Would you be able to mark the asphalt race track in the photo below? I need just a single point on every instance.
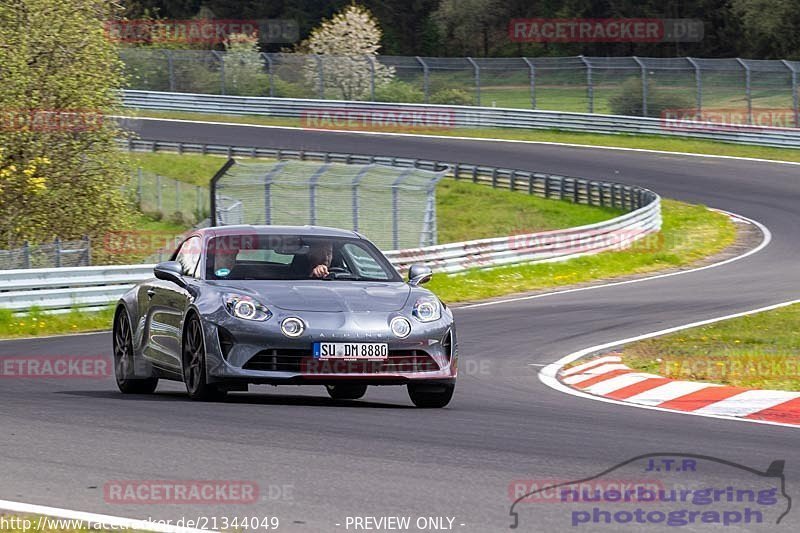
(318, 461)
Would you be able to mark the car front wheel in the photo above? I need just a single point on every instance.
(194, 365)
(431, 395)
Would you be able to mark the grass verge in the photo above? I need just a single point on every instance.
(760, 351)
(36, 323)
(690, 233)
(646, 142)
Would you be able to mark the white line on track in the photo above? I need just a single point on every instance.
(117, 522)
(463, 138)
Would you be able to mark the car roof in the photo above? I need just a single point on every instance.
(317, 231)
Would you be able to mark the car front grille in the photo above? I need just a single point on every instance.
(298, 360)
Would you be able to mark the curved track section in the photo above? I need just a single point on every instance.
(65, 439)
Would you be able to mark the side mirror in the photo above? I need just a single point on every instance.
(419, 274)
(170, 271)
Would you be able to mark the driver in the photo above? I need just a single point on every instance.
(319, 258)
(225, 262)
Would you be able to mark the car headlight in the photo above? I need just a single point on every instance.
(246, 308)
(427, 309)
(401, 327)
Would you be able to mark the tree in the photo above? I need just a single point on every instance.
(772, 27)
(349, 43)
(61, 171)
(244, 66)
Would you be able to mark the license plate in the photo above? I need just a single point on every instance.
(351, 350)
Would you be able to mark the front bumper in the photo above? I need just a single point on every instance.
(241, 351)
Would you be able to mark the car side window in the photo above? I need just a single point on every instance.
(364, 264)
(189, 256)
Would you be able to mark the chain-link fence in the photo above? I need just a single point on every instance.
(169, 199)
(51, 255)
(394, 207)
(753, 91)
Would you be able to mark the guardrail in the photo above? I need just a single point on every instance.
(327, 114)
(59, 289)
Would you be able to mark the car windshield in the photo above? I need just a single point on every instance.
(295, 257)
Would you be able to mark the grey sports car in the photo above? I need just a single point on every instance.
(284, 305)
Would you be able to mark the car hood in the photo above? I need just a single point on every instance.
(324, 296)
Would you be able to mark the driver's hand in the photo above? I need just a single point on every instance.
(320, 271)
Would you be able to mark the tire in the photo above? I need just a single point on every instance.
(194, 364)
(431, 396)
(346, 391)
(125, 360)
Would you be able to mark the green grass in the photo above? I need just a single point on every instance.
(689, 233)
(36, 323)
(466, 211)
(757, 351)
(647, 142)
(197, 170)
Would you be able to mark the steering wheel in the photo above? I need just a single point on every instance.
(332, 271)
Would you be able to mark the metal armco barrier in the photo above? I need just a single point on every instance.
(336, 114)
(56, 289)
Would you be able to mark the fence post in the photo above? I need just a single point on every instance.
(532, 76)
(312, 192)
(371, 62)
(158, 193)
(477, 70)
(356, 182)
(170, 70)
(795, 96)
(320, 78)
(57, 243)
(269, 74)
(88, 250)
(747, 92)
(198, 206)
(698, 80)
(425, 77)
(139, 180)
(644, 85)
(589, 84)
(395, 209)
(26, 255)
(221, 59)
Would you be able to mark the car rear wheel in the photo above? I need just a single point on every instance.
(431, 396)
(124, 360)
(194, 365)
(345, 391)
